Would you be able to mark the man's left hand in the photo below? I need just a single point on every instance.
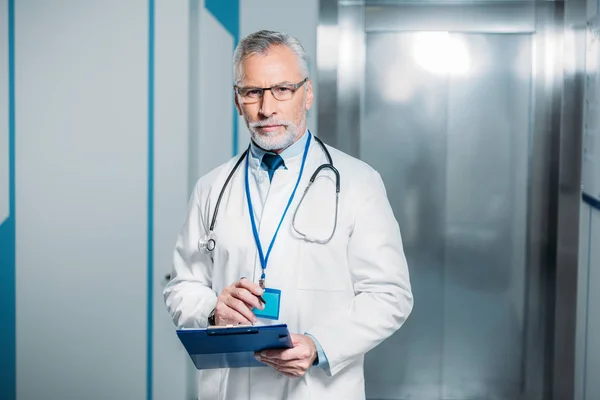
(293, 362)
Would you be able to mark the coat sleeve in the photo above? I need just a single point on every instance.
(188, 296)
(379, 272)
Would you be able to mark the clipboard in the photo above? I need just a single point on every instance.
(232, 346)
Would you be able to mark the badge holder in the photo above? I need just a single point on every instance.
(272, 304)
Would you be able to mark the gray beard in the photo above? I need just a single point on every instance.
(275, 142)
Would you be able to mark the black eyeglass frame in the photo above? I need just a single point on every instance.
(291, 86)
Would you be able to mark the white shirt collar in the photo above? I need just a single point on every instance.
(293, 150)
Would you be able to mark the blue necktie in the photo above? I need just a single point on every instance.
(272, 162)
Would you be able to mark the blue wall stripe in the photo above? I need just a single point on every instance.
(8, 381)
(227, 12)
(150, 245)
(592, 201)
(587, 306)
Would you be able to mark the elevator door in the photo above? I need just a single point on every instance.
(446, 122)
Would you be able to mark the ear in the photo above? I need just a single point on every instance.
(237, 104)
(309, 95)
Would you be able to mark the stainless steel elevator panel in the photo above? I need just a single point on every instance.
(459, 105)
(447, 123)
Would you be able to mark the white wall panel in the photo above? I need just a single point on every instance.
(294, 17)
(81, 117)
(216, 94)
(170, 185)
(4, 194)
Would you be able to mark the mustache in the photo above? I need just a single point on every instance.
(268, 122)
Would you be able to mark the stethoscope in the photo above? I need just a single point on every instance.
(209, 243)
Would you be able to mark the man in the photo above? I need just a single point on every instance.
(337, 269)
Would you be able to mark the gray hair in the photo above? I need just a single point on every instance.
(259, 43)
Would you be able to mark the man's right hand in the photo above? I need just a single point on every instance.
(235, 303)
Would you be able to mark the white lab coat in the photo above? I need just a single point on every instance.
(350, 294)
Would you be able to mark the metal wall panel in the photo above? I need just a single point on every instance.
(492, 17)
(472, 152)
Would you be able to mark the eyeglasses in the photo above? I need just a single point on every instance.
(280, 92)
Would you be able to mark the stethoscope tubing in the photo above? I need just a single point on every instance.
(210, 245)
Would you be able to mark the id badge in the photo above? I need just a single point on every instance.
(272, 299)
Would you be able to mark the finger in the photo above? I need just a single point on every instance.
(241, 308)
(250, 286)
(270, 363)
(232, 318)
(291, 372)
(274, 361)
(237, 312)
(297, 338)
(280, 366)
(300, 365)
(274, 354)
(247, 297)
(284, 355)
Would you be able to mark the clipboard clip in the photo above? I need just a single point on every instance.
(231, 330)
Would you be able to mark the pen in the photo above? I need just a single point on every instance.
(259, 297)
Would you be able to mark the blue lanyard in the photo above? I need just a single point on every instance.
(265, 258)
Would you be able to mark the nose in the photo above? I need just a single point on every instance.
(269, 104)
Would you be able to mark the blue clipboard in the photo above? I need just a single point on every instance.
(232, 347)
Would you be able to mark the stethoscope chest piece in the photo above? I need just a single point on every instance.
(207, 243)
(210, 246)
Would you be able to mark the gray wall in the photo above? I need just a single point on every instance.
(296, 17)
(588, 292)
(84, 180)
(587, 384)
(588, 313)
